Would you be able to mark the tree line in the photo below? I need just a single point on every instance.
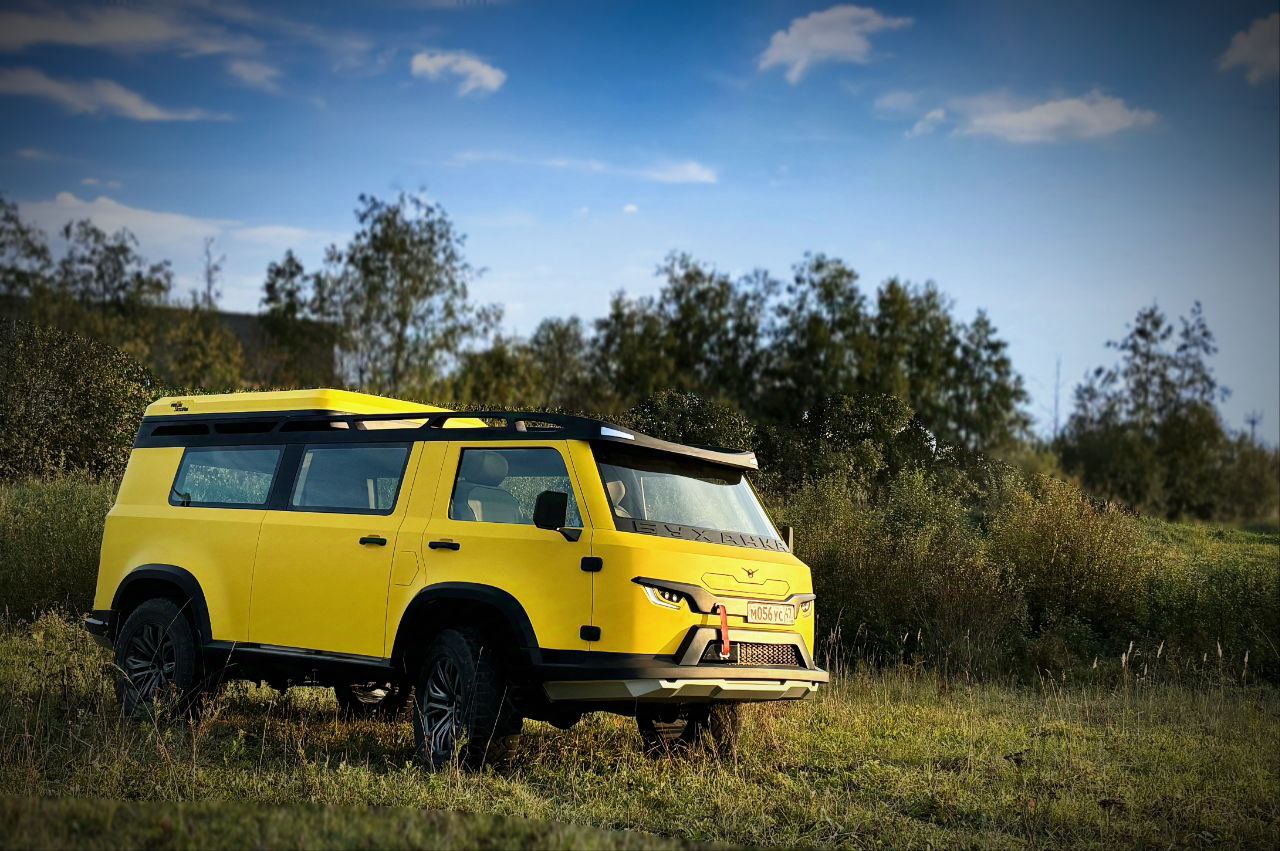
(391, 311)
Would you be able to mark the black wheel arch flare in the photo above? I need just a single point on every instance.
(136, 587)
(433, 603)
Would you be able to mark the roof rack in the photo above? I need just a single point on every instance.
(274, 427)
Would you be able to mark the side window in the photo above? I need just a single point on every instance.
(502, 485)
(349, 479)
(227, 478)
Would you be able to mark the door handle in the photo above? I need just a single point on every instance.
(376, 540)
(444, 545)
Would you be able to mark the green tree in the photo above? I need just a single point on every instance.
(300, 343)
(26, 263)
(398, 292)
(1146, 431)
(821, 340)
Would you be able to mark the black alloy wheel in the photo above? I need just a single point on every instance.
(156, 658)
(461, 712)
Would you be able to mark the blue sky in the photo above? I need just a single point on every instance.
(1059, 165)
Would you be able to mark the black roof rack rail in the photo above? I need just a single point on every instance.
(516, 425)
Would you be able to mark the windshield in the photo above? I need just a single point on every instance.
(683, 498)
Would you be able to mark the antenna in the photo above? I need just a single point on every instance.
(1252, 419)
(1057, 392)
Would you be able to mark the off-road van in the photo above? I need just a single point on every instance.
(480, 567)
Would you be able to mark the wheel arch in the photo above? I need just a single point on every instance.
(462, 604)
(167, 581)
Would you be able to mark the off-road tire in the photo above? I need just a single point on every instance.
(724, 729)
(461, 706)
(681, 730)
(667, 729)
(371, 700)
(157, 661)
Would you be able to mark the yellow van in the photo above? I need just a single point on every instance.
(481, 568)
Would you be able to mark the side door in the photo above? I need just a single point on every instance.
(481, 531)
(324, 561)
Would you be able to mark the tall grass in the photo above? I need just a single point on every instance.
(1025, 576)
(50, 535)
(898, 758)
(1032, 575)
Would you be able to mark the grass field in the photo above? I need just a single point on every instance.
(889, 759)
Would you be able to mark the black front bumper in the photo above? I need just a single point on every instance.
(687, 663)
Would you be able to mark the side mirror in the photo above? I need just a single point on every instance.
(551, 511)
(788, 534)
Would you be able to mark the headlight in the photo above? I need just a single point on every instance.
(663, 597)
(806, 608)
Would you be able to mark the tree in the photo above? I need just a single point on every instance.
(1146, 431)
(398, 294)
(300, 343)
(25, 259)
(821, 340)
(561, 351)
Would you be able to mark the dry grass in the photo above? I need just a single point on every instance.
(898, 758)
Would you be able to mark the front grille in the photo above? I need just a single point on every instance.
(753, 654)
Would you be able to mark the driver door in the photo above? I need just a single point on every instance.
(482, 532)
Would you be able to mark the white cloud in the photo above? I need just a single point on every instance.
(927, 123)
(896, 103)
(192, 28)
(36, 155)
(117, 27)
(678, 172)
(255, 74)
(1257, 50)
(93, 97)
(476, 75)
(1091, 116)
(179, 238)
(839, 34)
(630, 209)
(665, 171)
(164, 234)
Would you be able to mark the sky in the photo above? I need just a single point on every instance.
(1057, 165)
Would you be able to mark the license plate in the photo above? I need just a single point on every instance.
(779, 613)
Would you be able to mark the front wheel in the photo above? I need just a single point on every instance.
(156, 656)
(461, 708)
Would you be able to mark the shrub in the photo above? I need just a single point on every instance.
(50, 534)
(907, 578)
(690, 418)
(1079, 566)
(69, 404)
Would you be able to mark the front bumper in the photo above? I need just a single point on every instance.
(692, 673)
(98, 624)
(680, 690)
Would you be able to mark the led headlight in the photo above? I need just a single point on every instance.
(663, 597)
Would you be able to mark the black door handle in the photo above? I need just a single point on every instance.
(376, 540)
(445, 545)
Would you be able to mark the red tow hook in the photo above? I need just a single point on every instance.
(725, 647)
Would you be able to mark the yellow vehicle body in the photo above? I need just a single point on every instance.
(308, 593)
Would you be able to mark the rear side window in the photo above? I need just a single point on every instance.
(502, 485)
(349, 479)
(225, 478)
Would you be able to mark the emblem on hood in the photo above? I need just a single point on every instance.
(750, 571)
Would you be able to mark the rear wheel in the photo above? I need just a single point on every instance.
(156, 659)
(372, 699)
(461, 710)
